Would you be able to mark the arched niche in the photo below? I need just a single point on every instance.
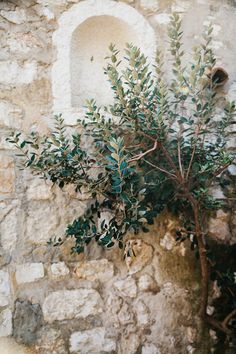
(82, 39)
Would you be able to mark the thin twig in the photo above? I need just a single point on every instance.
(160, 169)
(138, 157)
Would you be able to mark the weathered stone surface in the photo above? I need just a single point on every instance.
(4, 288)
(59, 270)
(29, 272)
(142, 313)
(51, 340)
(27, 320)
(7, 175)
(167, 242)
(125, 315)
(13, 73)
(147, 283)
(102, 270)
(219, 226)
(138, 255)
(126, 287)
(10, 115)
(131, 341)
(149, 5)
(91, 342)
(5, 323)
(9, 230)
(150, 349)
(17, 17)
(67, 304)
(162, 19)
(39, 189)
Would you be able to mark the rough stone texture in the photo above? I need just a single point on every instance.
(4, 288)
(101, 269)
(91, 342)
(68, 304)
(29, 272)
(145, 304)
(27, 320)
(5, 323)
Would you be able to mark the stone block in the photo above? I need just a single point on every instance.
(5, 323)
(15, 74)
(146, 283)
(138, 255)
(149, 5)
(17, 17)
(102, 270)
(7, 175)
(39, 189)
(91, 341)
(9, 230)
(126, 287)
(219, 226)
(4, 288)
(68, 304)
(59, 270)
(29, 272)
(10, 115)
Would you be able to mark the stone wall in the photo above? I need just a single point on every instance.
(54, 302)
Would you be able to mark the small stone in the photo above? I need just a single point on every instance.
(4, 288)
(142, 313)
(39, 189)
(29, 272)
(9, 231)
(180, 6)
(147, 283)
(91, 341)
(168, 242)
(102, 270)
(7, 175)
(150, 349)
(5, 323)
(191, 334)
(219, 226)
(10, 115)
(68, 304)
(59, 270)
(162, 19)
(27, 320)
(149, 5)
(125, 316)
(17, 17)
(126, 287)
(210, 310)
(132, 341)
(232, 170)
(138, 255)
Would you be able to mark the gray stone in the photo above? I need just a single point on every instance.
(5, 323)
(126, 287)
(29, 272)
(27, 320)
(4, 288)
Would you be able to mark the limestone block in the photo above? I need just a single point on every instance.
(132, 341)
(219, 226)
(28, 319)
(142, 313)
(162, 19)
(101, 269)
(149, 348)
(29, 272)
(126, 287)
(10, 115)
(8, 230)
(168, 242)
(17, 17)
(180, 6)
(149, 5)
(67, 304)
(41, 224)
(92, 341)
(138, 255)
(13, 73)
(147, 283)
(5, 323)
(59, 270)
(4, 288)
(125, 315)
(7, 175)
(232, 170)
(39, 189)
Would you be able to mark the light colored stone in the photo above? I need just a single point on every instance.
(10, 115)
(5, 323)
(17, 17)
(4, 288)
(59, 270)
(168, 242)
(7, 175)
(191, 334)
(180, 6)
(101, 269)
(125, 315)
(29, 272)
(126, 287)
(219, 227)
(92, 341)
(162, 19)
(9, 346)
(147, 283)
(9, 230)
(150, 349)
(232, 170)
(138, 255)
(67, 304)
(149, 5)
(142, 313)
(39, 189)
(16, 74)
(131, 341)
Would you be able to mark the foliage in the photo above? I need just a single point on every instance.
(161, 144)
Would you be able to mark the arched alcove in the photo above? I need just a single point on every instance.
(82, 39)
